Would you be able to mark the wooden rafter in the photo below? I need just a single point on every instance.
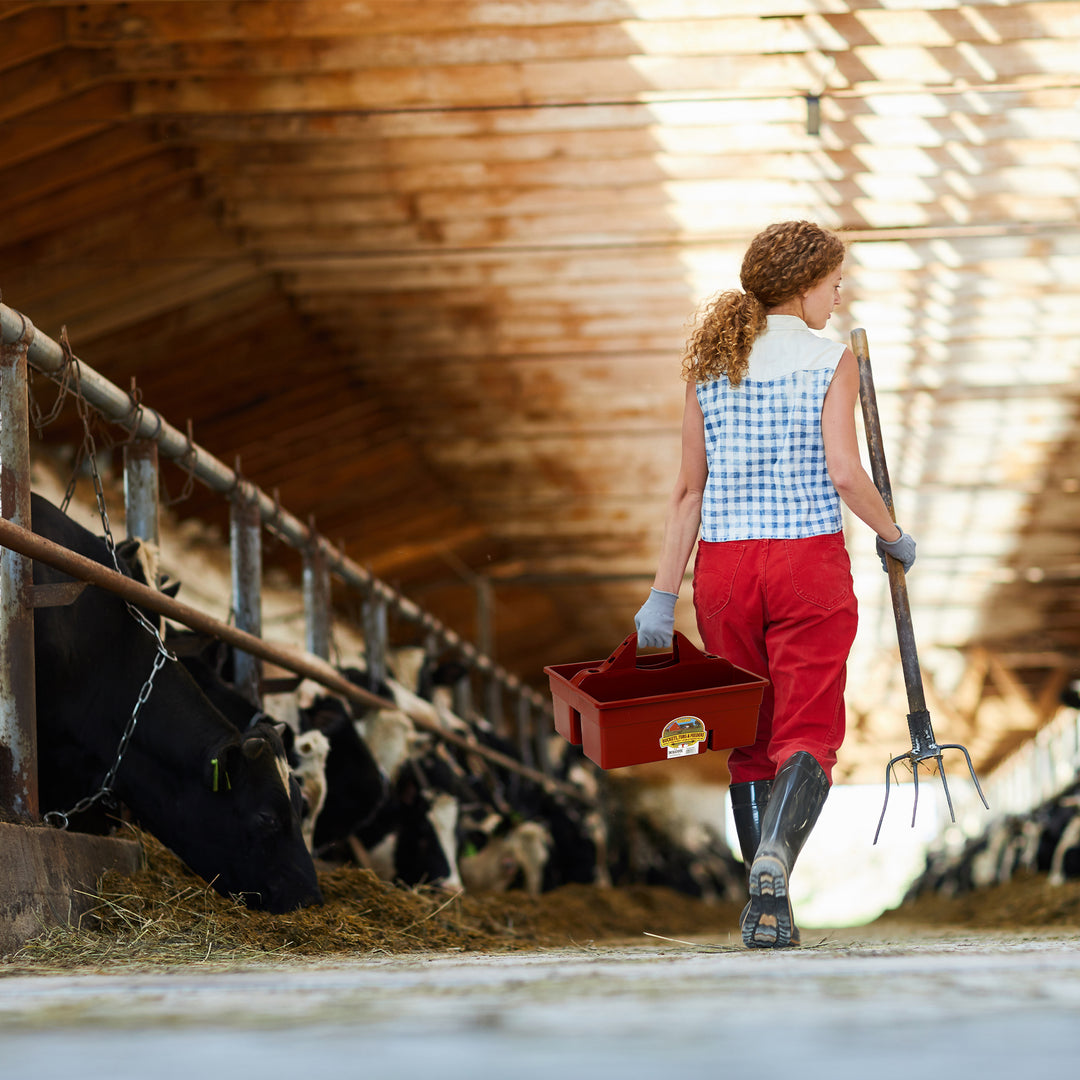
(429, 266)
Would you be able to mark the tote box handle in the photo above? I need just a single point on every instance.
(625, 658)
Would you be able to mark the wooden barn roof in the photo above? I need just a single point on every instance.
(426, 267)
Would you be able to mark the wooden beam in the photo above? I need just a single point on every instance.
(98, 195)
(286, 228)
(717, 203)
(31, 34)
(653, 26)
(176, 228)
(1015, 698)
(618, 295)
(63, 122)
(704, 119)
(202, 326)
(465, 86)
(158, 290)
(45, 80)
(443, 50)
(1016, 262)
(1048, 700)
(96, 153)
(413, 272)
(337, 173)
(221, 20)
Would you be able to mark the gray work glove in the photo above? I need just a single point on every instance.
(655, 620)
(902, 549)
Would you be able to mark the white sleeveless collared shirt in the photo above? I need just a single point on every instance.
(766, 456)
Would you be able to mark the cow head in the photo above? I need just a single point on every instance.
(253, 846)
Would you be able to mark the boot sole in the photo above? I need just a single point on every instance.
(767, 921)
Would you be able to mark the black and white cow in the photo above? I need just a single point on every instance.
(222, 799)
(1045, 840)
(355, 785)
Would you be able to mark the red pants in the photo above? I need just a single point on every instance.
(784, 609)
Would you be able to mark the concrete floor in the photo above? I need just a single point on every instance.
(857, 1005)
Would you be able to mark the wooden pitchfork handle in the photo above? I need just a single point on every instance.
(924, 746)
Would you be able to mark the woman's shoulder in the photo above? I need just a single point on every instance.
(776, 354)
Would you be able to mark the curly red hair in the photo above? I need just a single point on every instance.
(783, 261)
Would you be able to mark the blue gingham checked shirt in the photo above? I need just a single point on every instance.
(767, 473)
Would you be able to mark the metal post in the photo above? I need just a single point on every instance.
(494, 708)
(316, 600)
(543, 751)
(463, 704)
(485, 617)
(18, 716)
(376, 638)
(485, 639)
(141, 490)
(245, 538)
(525, 729)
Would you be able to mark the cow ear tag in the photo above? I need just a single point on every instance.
(214, 766)
(683, 736)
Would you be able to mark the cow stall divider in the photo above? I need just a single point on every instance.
(151, 436)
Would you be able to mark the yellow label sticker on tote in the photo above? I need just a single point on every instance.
(683, 736)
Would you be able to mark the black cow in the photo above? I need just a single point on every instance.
(220, 798)
(355, 785)
(399, 826)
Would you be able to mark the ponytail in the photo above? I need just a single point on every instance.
(721, 345)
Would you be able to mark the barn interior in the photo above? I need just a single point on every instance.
(426, 268)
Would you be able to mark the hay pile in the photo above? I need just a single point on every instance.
(164, 915)
(1027, 901)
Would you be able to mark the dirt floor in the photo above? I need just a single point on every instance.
(165, 916)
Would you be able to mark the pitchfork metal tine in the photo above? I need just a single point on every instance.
(888, 778)
(915, 776)
(944, 784)
(971, 769)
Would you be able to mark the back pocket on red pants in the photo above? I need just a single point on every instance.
(714, 576)
(820, 570)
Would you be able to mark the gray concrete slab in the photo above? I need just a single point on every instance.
(984, 1006)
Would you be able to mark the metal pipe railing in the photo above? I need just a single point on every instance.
(15, 538)
(47, 356)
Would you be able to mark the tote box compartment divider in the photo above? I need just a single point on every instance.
(630, 709)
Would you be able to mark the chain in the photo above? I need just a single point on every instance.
(38, 416)
(187, 461)
(60, 819)
(88, 451)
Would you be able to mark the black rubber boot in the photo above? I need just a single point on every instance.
(748, 802)
(797, 796)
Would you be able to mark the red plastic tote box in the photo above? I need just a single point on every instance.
(630, 709)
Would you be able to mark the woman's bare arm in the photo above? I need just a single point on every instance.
(684, 507)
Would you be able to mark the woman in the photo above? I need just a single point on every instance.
(769, 450)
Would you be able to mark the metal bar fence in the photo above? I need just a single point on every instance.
(155, 436)
(46, 356)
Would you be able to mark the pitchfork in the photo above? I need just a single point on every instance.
(923, 744)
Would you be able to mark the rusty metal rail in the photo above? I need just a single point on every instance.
(43, 550)
(47, 356)
(151, 436)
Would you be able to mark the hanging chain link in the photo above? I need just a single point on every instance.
(88, 453)
(60, 819)
(187, 461)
